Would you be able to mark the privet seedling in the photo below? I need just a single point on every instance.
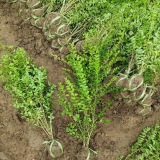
(85, 86)
(147, 145)
(29, 89)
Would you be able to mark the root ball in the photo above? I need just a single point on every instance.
(39, 22)
(80, 46)
(55, 44)
(122, 80)
(135, 82)
(141, 111)
(140, 93)
(37, 13)
(53, 18)
(62, 30)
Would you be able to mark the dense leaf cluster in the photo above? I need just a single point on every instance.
(84, 89)
(87, 13)
(134, 26)
(147, 145)
(27, 85)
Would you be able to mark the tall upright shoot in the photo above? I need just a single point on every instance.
(86, 85)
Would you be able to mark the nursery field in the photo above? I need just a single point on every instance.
(79, 83)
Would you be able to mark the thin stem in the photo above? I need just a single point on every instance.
(44, 128)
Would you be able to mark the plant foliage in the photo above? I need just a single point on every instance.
(29, 89)
(27, 85)
(85, 87)
(147, 145)
(135, 26)
(87, 13)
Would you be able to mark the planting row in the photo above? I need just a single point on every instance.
(62, 21)
(79, 96)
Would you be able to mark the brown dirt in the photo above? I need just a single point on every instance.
(20, 141)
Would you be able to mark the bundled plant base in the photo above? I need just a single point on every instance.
(136, 92)
(37, 13)
(52, 24)
(56, 30)
(52, 19)
(30, 91)
(38, 22)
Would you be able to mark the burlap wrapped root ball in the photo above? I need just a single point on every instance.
(125, 94)
(62, 30)
(60, 33)
(25, 14)
(61, 36)
(38, 22)
(134, 82)
(147, 99)
(49, 33)
(52, 20)
(37, 12)
(27, 7)
(143, 111)
(140, 93)
(129, 98)
(63, 41)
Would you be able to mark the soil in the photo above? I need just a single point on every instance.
(21, 141)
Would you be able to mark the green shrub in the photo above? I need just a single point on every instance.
(87, 83)
(147, 145)
(27, 85)
(29, 89)
(135, 26)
